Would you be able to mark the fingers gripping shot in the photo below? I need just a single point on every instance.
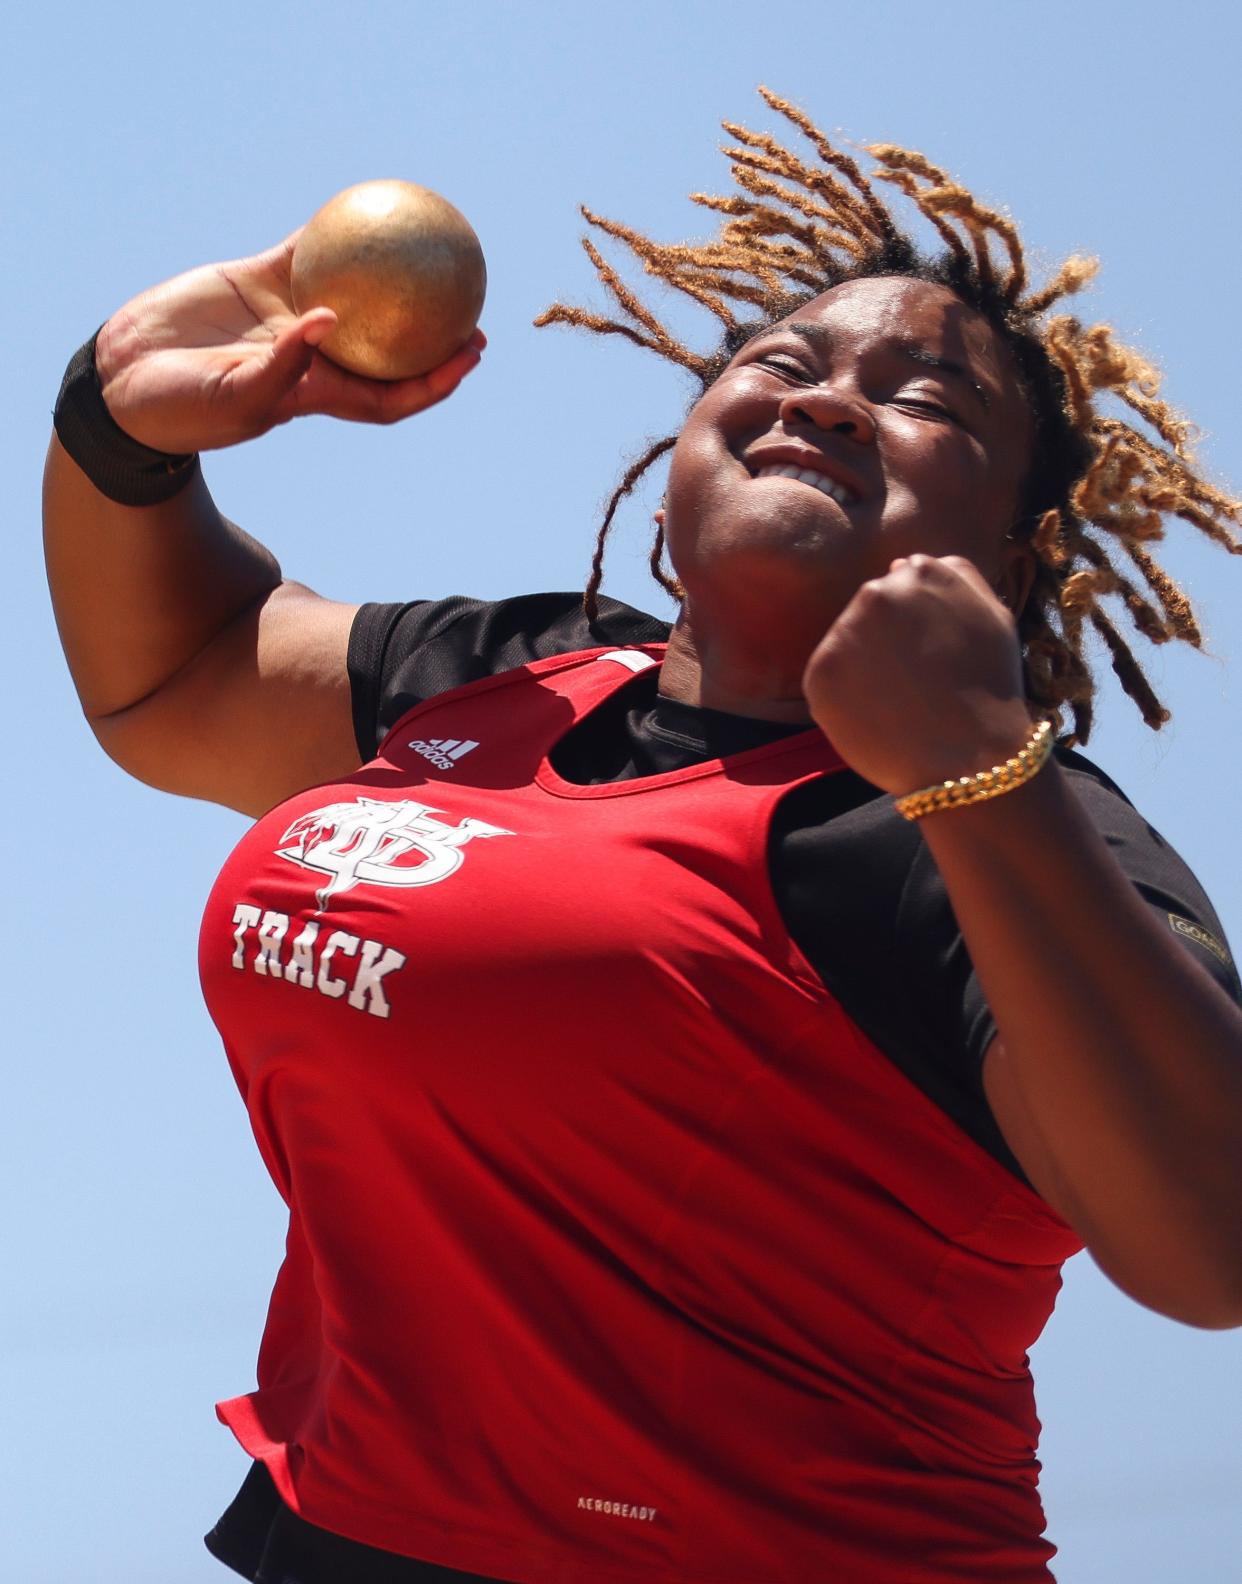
(699, 1227)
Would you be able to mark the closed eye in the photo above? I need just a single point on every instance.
(928, 405)
(783, 364)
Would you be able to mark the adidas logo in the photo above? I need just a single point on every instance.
(442, 751)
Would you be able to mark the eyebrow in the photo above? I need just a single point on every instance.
(819, 337)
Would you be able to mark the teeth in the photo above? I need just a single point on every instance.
(805, 476)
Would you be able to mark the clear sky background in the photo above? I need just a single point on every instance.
(140, 1233)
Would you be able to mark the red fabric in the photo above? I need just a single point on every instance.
(616, 1251)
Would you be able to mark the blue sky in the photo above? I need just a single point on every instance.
(140, 1232)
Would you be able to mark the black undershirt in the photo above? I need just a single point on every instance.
(855, 884)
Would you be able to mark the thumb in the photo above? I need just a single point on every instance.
(292, 352)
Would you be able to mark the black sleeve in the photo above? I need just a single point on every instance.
(400, 655)
(865, 901)
(1162, 879)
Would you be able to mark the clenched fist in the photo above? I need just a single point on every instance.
(919, 679)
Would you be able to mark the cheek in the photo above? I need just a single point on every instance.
(699, 475)
(943, 482)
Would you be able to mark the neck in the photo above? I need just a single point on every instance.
(732, 675)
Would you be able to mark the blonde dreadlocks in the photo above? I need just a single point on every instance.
(1099, 489)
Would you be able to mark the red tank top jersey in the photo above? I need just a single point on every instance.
(616, 1252)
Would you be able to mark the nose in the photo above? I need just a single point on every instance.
(830, 408)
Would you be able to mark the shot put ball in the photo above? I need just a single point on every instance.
(403, 271)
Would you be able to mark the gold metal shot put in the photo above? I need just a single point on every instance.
(403, 271)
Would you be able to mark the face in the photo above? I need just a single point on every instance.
(881, 419)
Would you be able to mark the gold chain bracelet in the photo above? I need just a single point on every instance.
(1025, 764)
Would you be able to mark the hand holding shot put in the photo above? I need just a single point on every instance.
(387, 280)
(683, 1101)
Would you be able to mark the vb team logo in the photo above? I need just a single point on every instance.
(369, 842)
(443, 752)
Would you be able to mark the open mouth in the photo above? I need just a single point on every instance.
(819, 481)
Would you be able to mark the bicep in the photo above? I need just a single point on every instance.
(260, 712)
(1003, 1090)
(1002, 1082)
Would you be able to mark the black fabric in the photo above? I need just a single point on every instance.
(119, 466)
(462, 640)
(267, 1543)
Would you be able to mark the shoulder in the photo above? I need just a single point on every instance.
(1152, 863)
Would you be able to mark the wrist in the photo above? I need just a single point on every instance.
(120, 467)
(942, 742)
(1005, 774)
(108, 355)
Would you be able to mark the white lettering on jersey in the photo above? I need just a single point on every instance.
(314, 967)
(245, 917)
(368, 992)
(337, 941)
(300, 968)
(616, 1509)
(371, 842)
(271, 933)
(442, 751)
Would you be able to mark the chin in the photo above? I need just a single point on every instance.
(780, 571)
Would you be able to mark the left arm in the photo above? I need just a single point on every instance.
(1116, 1073)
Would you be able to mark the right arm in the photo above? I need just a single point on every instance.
(199, 668)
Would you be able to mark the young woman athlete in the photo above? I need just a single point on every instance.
(687, 1056)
